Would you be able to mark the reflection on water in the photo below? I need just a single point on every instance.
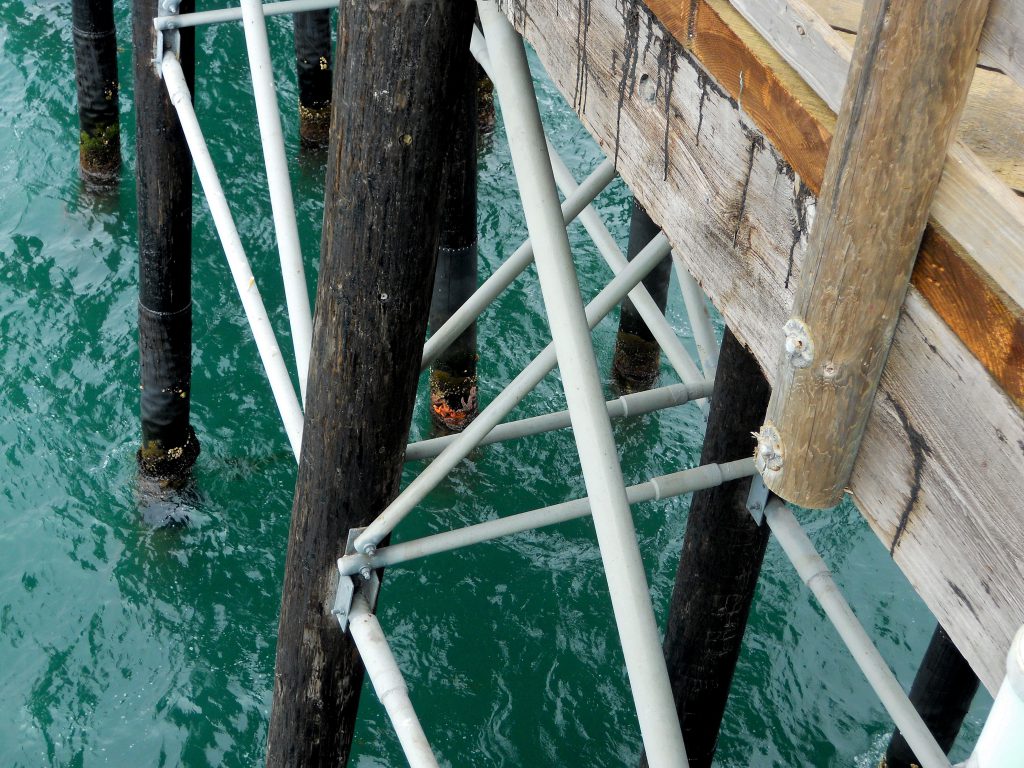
(125, 642)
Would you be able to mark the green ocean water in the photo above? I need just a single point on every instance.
(121, 645)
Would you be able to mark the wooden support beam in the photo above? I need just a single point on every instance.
(944, 448)
(912, 67)
(313, 41)
(99, 124)
(391, 110)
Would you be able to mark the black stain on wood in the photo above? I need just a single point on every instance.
(921, 450)
(630, 55)
(702, 81)
(691, 22)
(803, 194)
(963, 599)
(668, 64)
(756, 143)
(579, 95)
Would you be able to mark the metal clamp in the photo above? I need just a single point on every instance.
(757, 499)
(166, 39)
(367, 584)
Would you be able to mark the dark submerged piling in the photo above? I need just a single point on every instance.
(637, 356)
(164, 194)
(453, 378)
(381, 228)
(99, 137)
(942, 692)
(721, 558)
(313, 68)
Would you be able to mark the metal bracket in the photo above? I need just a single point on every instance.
(166, 39)
(367, 584)
(757, 499)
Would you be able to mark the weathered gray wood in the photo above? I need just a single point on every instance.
(883, 167)
(944, 449)
(391, 110)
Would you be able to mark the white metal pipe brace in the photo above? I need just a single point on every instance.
(655, 489)
(388, 683)
(1001, 744)
(268, 114)
(663, 333)
(700, 321)
(816, 575)
(616, 536)
(635, 404)
(255, 312)
(220, 15)
(506, 400)
(512, 267)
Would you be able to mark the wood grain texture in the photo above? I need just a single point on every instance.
(391, 108)
(738, 217)
(882, 172)
(1002, 39)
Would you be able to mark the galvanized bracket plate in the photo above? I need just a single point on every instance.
(757, 498)
(169, 39)
(369, 588)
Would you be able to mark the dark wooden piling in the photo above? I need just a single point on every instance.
(942, 692)
(637, 358)
(164, 194)
(99, 125)
(453, 377)
(381, 228)
(721, 558)
(313, 70)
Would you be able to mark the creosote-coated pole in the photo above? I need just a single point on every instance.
(637, 357)
(164, 194)
(313, 69)
(942, 693)
(720, 562)
(392, 108)
(99, 134)
(453, 380)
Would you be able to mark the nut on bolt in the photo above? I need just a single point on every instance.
(798, 345)
(768, 458)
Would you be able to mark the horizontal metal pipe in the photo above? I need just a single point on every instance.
(220, 15)
(241, 271)
(507, 399)
(513, 266)
(655, 489)
(635, 404)
(816, 575)
(388, 683)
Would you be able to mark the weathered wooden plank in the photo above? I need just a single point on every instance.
(883, 169)
(944, 450)
(1002, 39)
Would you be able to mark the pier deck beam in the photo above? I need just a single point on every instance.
(391, 109)
(720, 561)
(99, 136)
(883, 168)
(164, 195)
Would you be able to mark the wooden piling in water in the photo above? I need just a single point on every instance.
(942, 692)
(453, 376)
(912, 66)
(313, 70)
(392, 108)
(637, 358)
(99, 125)
(164, 195)
(720, 562)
